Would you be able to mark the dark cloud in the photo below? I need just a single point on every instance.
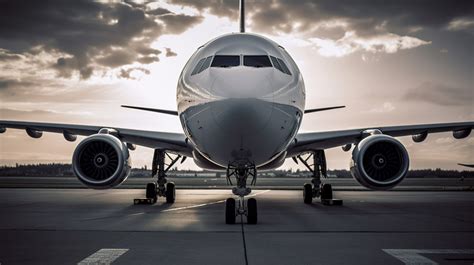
(441, 94)
(178, 23)
(365, 17)
(158, 11)
(222, 8)
(127, 73)
(86, 34)
(148, 59)
(6, 55)
(170, 53)
(12, 83)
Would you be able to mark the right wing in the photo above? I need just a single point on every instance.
(173, 142)
(324, 140)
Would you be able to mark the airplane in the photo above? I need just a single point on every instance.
(240, 101)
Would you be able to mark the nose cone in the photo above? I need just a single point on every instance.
(245, 99)
(242, 116)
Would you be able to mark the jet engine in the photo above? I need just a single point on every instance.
(379, 162)
(101, 161)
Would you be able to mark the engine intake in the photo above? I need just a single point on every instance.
(101, 161)
(379, 162)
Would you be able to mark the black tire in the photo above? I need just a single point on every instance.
(170, 192)
(326, 192)
(252, 211)
(230, 211)
(308, 193)
(151, 191)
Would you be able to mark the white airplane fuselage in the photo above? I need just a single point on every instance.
(240, 110)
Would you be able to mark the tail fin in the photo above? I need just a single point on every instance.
(242, 16)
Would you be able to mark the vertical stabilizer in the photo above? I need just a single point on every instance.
(242, 16)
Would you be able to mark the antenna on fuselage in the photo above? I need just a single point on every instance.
(242, 16)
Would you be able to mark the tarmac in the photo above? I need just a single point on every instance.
(81, 226)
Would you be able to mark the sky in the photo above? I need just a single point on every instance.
(390, 62)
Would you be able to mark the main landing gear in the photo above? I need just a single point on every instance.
(160, 188)
(247, 208)
(316, 188)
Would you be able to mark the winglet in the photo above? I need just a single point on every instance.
(169, 112)
(323, 109)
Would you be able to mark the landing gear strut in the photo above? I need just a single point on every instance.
(247, 208)
(160, 188)
(316, 188)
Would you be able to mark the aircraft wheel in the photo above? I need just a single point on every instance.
(170, 192)
(230, 211)
(326, 192)
(308, 193)
(151, 191)
(252, 211)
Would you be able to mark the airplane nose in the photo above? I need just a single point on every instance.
(242, 82)
(242, 116)
(244, 99)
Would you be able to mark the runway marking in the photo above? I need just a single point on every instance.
(104, 256)
(412, 256)
(209, 203)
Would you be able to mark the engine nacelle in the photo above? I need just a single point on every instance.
(101, 161)
(379, 162)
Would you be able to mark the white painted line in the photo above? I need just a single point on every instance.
(412, 256)
(104, 256)
(192, 206)
(209, 203)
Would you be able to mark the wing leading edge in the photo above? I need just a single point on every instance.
(325, 140)
(174, 142)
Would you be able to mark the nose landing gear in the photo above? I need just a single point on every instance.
(316, 188)
(249, 208)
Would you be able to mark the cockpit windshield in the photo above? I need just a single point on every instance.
(226, 61)
(257, 61)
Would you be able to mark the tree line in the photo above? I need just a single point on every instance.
(65, 170)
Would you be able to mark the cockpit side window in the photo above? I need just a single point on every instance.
(280, 65)
(226, 61)
(284, 67)
(276, 64)
(257, 61)
(206, 64)
(198, 66)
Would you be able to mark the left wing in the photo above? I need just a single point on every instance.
(174, 142)
(324, 140)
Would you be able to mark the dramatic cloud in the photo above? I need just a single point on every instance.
(170, 53)
(6, 55)
(222, 8)
(338, 28)
(365, 17)
(130, 73)
(387, 43)
(85, 35)
(441, 94)
(12, 83)
(459, 24)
